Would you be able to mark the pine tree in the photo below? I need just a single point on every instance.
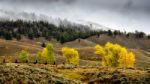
(8, 35)
(62, 39)
(110, 33)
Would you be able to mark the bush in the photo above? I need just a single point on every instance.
(43, 44)
(115, 55)
(72, 56)
(23, 56)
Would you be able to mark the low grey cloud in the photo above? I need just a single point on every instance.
(129, 15)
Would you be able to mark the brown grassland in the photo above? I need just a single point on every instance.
(89, 71)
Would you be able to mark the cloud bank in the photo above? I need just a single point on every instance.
(129, 15)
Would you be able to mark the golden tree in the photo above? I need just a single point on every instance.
(23, 56)
(71, 55)
(44, 55)
(115, 55)
(48, 54)
(39, 57)
(126, 60)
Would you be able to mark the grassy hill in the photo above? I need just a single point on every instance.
(90, 70)
(10, 49)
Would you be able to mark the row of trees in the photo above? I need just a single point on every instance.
(136, 34)
(63, 33)
(47, 55)
(112, 55)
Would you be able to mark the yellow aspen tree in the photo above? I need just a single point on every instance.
(23, 56)
(44, 54)
(39, 57)
(71, 55)
(123, 58)
(126, 60)
(131, 60)
(99, 50)
(48, 54)
(115, 55)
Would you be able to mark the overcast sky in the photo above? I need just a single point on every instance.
(129, 15)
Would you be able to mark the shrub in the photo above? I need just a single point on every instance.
(72, 56)
(115, 55)
(43, 44)
(23, 56)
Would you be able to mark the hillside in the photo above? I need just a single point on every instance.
(89, 71)
(85, 47)
(131, 42)
(74, 42)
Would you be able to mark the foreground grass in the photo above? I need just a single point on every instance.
(11, 73)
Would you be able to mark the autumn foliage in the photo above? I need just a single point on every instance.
(47, 55)
(39, 57)
(71, 55)
(115, 55)
(23, 56)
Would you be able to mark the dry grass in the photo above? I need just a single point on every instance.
(30, 74)
(10, 50)
(11, 73)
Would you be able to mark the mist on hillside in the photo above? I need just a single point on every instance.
(128, 15)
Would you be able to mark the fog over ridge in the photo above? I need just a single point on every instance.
(129, 15)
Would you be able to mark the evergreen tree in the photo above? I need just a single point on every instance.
(30, 36)
(62, 39)
(43, 45)
(8, 35)
(110, 33)
(148, 36)
(128, 35)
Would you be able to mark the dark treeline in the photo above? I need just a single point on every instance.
(36, 29)
(63, 33)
